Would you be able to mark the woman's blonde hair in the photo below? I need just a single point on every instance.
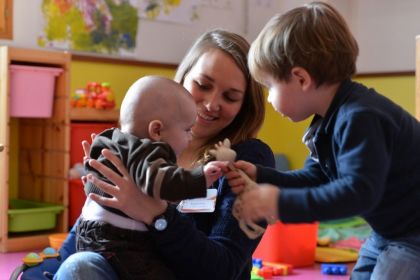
(251, 115)
(314, 37)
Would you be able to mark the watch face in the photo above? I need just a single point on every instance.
(161, 224)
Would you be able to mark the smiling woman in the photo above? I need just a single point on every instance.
(230, 105)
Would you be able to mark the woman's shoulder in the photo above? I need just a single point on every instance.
(255, 151)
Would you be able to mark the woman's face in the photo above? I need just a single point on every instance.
(217, 86)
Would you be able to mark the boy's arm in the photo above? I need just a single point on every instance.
(309, 175)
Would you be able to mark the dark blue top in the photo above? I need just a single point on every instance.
(369, 165)
(211, 245)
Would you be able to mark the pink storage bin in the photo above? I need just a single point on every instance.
(32, 91)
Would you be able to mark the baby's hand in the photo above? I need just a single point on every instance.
(236, 180)
(213, 170)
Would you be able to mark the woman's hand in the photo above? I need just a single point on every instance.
(86, 147)
(126, 196)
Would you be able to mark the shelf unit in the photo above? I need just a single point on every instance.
(34, 152)
(95, 115)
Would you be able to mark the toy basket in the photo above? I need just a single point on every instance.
(32, 91)
(26, 215)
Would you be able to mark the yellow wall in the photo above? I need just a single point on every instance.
(120, 76)
(280, 133)
(284, 136)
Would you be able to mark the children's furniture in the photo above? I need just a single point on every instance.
(34, 153)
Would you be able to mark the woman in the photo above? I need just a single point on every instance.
(230, 105)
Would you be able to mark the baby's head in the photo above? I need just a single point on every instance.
(314, 36)
(159, 109)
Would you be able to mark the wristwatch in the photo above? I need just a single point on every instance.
(160, 223)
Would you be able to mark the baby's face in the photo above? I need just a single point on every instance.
(178, 133)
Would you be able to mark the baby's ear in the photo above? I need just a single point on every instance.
(154, 130)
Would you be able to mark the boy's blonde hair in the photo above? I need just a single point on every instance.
(314, 37)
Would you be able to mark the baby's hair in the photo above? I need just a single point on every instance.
(314, 37)
(149, 98)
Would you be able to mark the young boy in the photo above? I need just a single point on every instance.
(156, 118)
(364, 149)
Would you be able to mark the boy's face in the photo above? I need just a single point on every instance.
(287, 97)
(178, 132)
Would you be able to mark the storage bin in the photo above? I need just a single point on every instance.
(32, 91)
(57, 239)
(80, 132)
(293, 244)
(77, 199)
(26, 215)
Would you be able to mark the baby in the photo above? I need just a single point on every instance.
(156, 118)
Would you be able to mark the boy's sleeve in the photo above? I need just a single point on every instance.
(310, 174)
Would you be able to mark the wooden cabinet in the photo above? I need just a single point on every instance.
(6, 19)
(34, 152)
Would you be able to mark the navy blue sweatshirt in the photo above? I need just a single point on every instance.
(368, 164)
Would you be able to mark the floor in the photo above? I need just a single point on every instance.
(9, 261)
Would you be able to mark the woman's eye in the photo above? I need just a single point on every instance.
(203, 85)
(232, 97)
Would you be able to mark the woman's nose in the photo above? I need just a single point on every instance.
(212, 102)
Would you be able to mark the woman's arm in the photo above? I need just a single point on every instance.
(206, 246)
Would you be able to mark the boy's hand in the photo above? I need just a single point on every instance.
(259, 203)
(213, 170)
(236, 180)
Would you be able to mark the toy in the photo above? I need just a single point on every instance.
(334, 269)
(94, 95)
(34, 259)
(281, 268)
(270, 270)
(48, 261)
(223, 152)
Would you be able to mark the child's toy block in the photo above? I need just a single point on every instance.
(266, 272)
(280, 268)
(257, 263)
(334, 269)
(256, 277)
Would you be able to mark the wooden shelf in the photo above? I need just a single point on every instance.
(96, 115)
(34, 152)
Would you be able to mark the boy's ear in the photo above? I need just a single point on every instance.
(154, 130)
(302, 76)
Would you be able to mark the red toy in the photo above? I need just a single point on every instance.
(94, 95)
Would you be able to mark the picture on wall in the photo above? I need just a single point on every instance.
(105, 26)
